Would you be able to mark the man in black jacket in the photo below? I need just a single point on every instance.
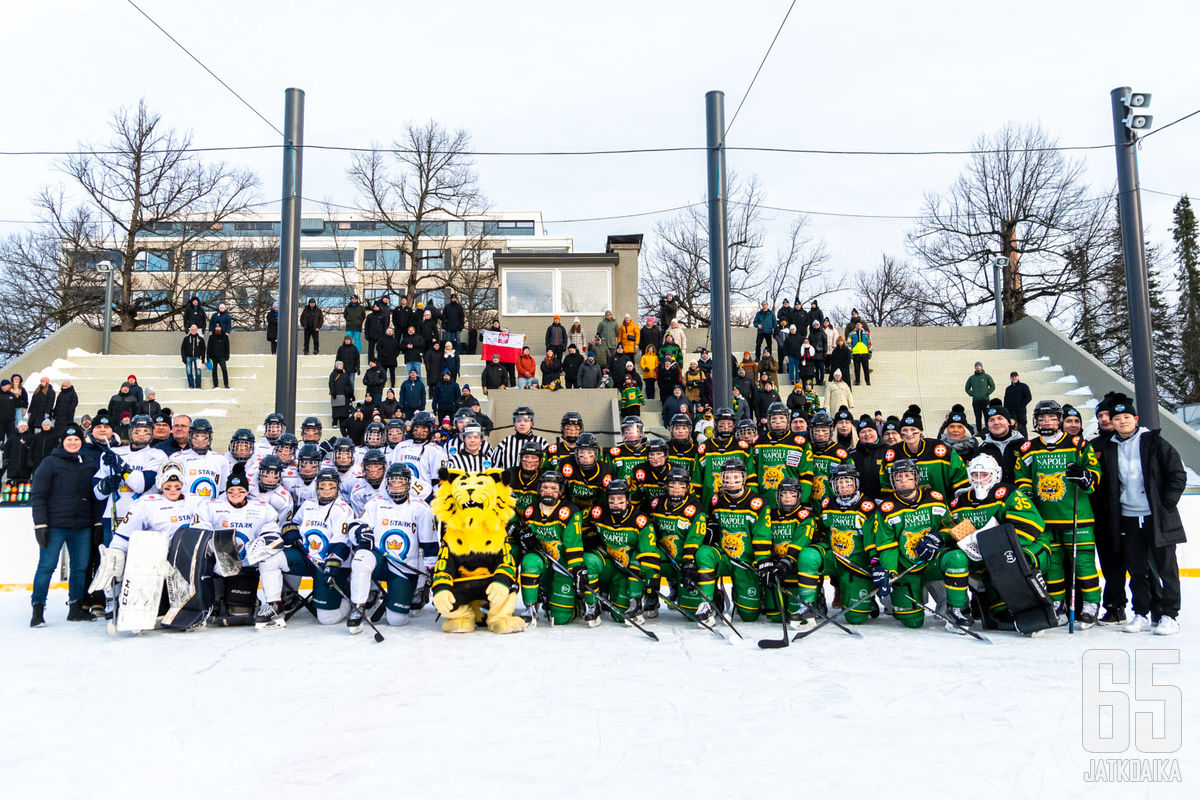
(312, 318)
(341, 395)
(377, 325)
(373, 381)
(218, 354)
(348, 355)
(65, 510)
(668, 307)
(65, 406)
(192, 352)
(1108, 550)
(404, 316)
(1017, 398)
(1146, 479)
(453, 320)
(194, 315)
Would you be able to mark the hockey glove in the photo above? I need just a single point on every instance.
(529, 541)
(1079, 476)
(691, 575)
(110, 484)
(581, 580)
(42, 534)
(766, 570)
(784, 566)
(928, 546)
(111, 460)
(362, 533)
(444, 602)
(290, 532)
(881, 578)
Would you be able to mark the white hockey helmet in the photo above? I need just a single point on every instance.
(169, 471)
(983, 464)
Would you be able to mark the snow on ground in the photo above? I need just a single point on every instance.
(565, 712)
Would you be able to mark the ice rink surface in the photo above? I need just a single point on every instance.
(555, 712)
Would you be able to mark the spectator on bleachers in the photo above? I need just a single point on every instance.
(782, 332)
(816, 338)
(374, 379)
(609, 332)
(572, 361)
(680, 336)
(651, 335)
(465, 398)
(590, 372)
(348, 354)
(668, 307)
(64, 406)
(355, 316)
(18, 454)
(838, 393)
(450, 359)
(403, 316)
(751, 365)
(454, 319)
(218, 354)
(8, 410)
(796, 399)
(427, 327)
(628, 372)
(1017, 398)
(831, 337)
(693, 383)
(150, 405)
(764, 328)
(815, 314)
(979, 388)
(556, 340)
(671, 404)
(412, 394)
(743, 381)
(628, 338)
(649, 365)
(443, 395)
(551, 368)
(412, 348)
(44, 442)
(527, 368)
(839, 358)
(495, 376)
(705, 362)
(577, 337)
(855, 320)
(670, 351)
(741, 405)
(669, 375)
(194, 315)
(806, 364)
(356, 425)
(602, 351)
(221, 318)
(387, 353)
(433, 363)
(41, 402)
(791, 350)
(376, 326)
(784, 317)
(763, 397)
(860, 352)
(121, 402)
(311, 320)
(341, 395)
(273, 327)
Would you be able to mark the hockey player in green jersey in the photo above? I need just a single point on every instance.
(826, 453)
(782, 454)
(714, 452)
(628, 541)
(650, 476)
(988, 503)
(630, 452)
(791, 526)
(676, 519)
(847, 524)
(1059, 473)
(911, 525)
(737, 529)
(571, 426)
(682, 450)
(551, 532)
(523, 479)
(939, 467)
(586, 476)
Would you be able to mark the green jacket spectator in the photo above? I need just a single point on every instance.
(607, 331)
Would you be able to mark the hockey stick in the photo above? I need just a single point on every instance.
(696, 589)
(775, 644)
(848, 609)
(745, 565)
(329, 581)
(960, 628)
(561, 570)
(672, 604)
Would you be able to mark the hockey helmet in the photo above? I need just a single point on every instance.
(522, 411)
(904, 466)
(141, 421)
(199, 425)
(632, 423)
(789, 485)
(838, 475)
(983, 472)
(286, 442)
(375, 435)
(169, 471)
(530, 449)
(399, 479)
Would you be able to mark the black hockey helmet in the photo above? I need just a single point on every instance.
(838, 472)
(199, 425)
(274, 418)
(310, 453)
(374, 457)
(571, 418)
(682, 419)
(588, 441)
(746, 427)
(428, 420)
(901, 465)
(270, 463)
(1047, 407)
(311, 423)
(241, 436)
(657, 445)
(789, 484)
(724, 415)
(733, 465)
(286, 441)
(821, 419)
(343, 445)
(522, 411)
(398, 472)
(329, 475)
(553, 476)
(529, 448)
(619, 486)
(141, 421)
(375, 434)
(461, 414)
(631, 422)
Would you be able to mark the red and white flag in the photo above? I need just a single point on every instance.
(506, 345)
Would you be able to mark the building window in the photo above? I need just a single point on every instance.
(327, 259)
(256, 259)
(90, 260)
(431, 260)
(556, 291)
(209, 298)
(205, 260)
(510, 227)
(327, 297)
(255, 226)
(152, 261)
(435, 296)
(476, 259)
(152, 300)
(383, 260)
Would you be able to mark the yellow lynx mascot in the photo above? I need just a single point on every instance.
(475, 566)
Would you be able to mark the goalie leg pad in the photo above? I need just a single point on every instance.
(225, 551)
(1018, 582)
(112, 568)
(240, 592)
(192, 555)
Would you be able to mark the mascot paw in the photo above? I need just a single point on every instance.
(443, 601)
(506, 625)
(459, 624)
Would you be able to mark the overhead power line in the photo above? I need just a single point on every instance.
(770, 47)
(1169, 124)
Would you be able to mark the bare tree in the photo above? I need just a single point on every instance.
(1018, 198)
(889, 295)
(471, 273)
(427, 178)
(252, 279)
(678, 263)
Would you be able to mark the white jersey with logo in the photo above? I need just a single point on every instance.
(154, 512)
(203, 475)
(363, 493)
(252, 520)
(302, 491)
(144, 464)
(348, 480)
(279, 499)
(424, 460)
(325, 526)
(404, 532)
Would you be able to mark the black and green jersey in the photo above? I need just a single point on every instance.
(524, 488)
(675, 523)
(631, 396)
(649, 483)
(782, 456)
(1042, 475)
(740, 525)
(684, 454)
(823, 459)
(903, 524)
(938, 467)
(850, 531)
(623, 458)
(559, 532)
(629, 540)
(711, 456)
(556, 454)
(1004, 503)
(790, 532)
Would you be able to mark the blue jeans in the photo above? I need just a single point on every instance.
(451, 336)
(417, 365)
(793, 368)
(356, 337)
(79, 543)
(194, 373)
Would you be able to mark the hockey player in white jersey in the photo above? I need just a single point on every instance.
(395, 438)
(255, 527)
(286, 447)
(322, 548)
(241, 451)
(274, 426)
(344, 464)
(422, 457)
(267, 486)
(370, 485)
(304, 487)
(396, 543)
(127, 472)
(374, 438)
(204, 470)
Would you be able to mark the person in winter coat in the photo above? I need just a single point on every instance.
(443, 395)
(629, 337)
(816, 337)
(349, 356)
(355, 317)
(831, 337)
(590, 372)
(672, 405)
(433, 363)
(495, 376)
(465, 398)
(194, 315)
(669, 376)
(693, 383)
(527, 369)
(356, 426)
(853, 324)
(220, 317)
(412, 348)
(859, 342)
(1017, 398)
(18, 454)
(41, 402)
(572, 361)
(454, 319)
(815, 314)
(602, 352)
(374, 380)
(956, 434)
(427, 327)
(784, 317)
(123, 402)
(668, 307)
(670, 351)
(839, 358)
(651, 334)
(979, 388)
(404, 315)
(797, 400)
(376, 325)
(556, 339)
(273, 328)
(649, 365)
(741, 406)
(65, 510)
(311, 320)
(44, 442)
(135, 389)
(341, 395)
(388, 406)
(679, 336)
(8, 410)
(609, 332)
(838, 393)
(751, 365)
(576, 336)
(150, 405)
(551, 368)
(768, 366)
(412, 394)
(218, 354)
(65, 406)
(450, 360)
(764, 329)
(766, 394)
(743, 381)
(387, 353)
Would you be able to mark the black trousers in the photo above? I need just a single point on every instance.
(220, 365)
(763, 336)
(313, 335)
(1153, 571)
(862, 363)
(1112, 564)
(979, 406)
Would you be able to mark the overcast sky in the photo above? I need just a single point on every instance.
(574, 76)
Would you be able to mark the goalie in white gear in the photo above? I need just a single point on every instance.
(422, 456)
(204, 470)
(396, 543)
(320, 528)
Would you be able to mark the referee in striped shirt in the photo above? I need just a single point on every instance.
(508, 452)
(474, 455)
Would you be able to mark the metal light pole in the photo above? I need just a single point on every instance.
(289, 256)
(107, 268)
(1133, 249)
(998, 265)
(718, 249)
